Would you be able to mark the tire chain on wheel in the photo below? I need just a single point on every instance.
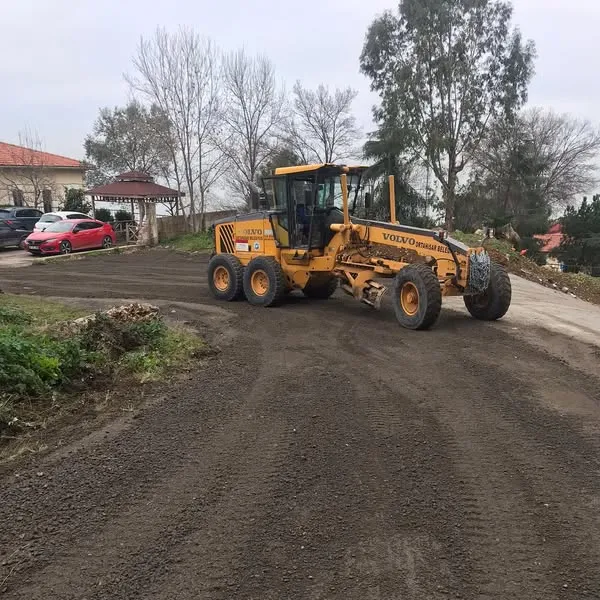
(497, 296)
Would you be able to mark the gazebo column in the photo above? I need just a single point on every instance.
(148, 228)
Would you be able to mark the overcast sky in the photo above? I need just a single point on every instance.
(64, 59)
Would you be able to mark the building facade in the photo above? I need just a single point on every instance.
(36, 179)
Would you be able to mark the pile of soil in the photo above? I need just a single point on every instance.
(577, 285)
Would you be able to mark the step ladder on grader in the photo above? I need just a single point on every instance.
(305, 239)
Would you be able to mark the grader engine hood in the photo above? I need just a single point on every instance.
(415, 237)
(468, 268)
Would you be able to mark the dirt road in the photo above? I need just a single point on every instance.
(325, 453)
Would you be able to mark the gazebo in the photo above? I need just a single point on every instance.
(138, 188)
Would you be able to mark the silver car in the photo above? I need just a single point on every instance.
(53, 217)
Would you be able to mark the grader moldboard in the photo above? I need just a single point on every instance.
(306, 240)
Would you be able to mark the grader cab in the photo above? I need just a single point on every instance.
(306, 239)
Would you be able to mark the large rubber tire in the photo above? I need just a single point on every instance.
(417, 297)
(320, 290)
(264, 282)
(494, 303)
(226, 277)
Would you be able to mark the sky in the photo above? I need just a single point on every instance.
(64, 59)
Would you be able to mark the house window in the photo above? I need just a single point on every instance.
(18, 199)
(47, 198)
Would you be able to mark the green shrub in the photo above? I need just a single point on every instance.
(104, 215)
(10, 315)
(123, 215)
(31, 365)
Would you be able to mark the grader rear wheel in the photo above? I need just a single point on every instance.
(225, 274)
(417, 297)
(264, 281)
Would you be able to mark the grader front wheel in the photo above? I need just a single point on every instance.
(417, 297)
(492, 304)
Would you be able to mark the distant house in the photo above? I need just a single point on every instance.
(551, 241)
(36, 179)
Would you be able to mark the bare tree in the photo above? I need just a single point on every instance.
(254, 111)
(179, 72)
(29, 176)
(556, 155)
(322, 128)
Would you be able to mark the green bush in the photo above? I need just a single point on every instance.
(75, 200)
(123, 215)
(31, 365)
(104, 215)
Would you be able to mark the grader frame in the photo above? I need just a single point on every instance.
(307, 240)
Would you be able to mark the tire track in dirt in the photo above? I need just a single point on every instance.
(388, 465)
(501, 475)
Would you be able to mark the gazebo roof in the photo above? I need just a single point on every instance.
(134, 185)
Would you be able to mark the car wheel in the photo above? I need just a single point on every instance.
(22, 244)
(65, 247)
(107, 242)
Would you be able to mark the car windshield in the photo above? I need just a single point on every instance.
(49, 219)
(60, 227)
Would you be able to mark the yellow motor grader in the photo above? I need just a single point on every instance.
(305, 239)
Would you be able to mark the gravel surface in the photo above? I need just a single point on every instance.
(324, 453)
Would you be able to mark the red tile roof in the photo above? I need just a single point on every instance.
(551, 240)
(19, 156)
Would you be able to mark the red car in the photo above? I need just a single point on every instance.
(64, 237)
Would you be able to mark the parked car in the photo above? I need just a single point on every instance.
(53, 217)
(12, 234)
(66, 236)
(19, 215)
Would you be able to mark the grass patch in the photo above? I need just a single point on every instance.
(48, 364)
(191, 242)
(476, 241)
(37, 311)
(173, 350)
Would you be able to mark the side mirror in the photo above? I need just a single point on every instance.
(76, 230)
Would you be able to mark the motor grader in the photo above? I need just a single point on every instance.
(305, 238)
